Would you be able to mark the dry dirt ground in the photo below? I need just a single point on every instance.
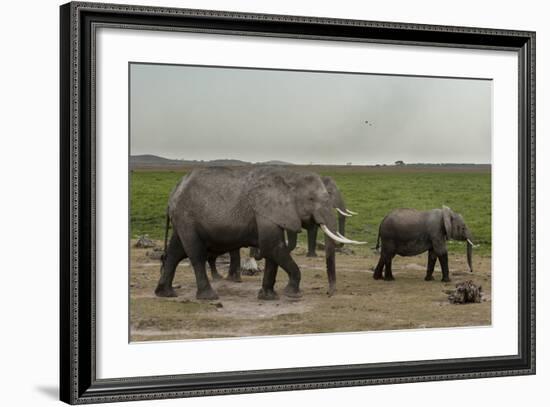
(360, 304)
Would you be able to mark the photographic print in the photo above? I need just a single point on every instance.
(283, 202)
(328, 187)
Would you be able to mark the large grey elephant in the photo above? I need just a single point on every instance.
(217, 210)
(408, 232)
(339, 204)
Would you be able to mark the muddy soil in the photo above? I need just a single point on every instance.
(360, 304)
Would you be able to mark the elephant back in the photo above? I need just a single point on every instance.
(208, 192)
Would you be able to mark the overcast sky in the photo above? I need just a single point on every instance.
(198, 113)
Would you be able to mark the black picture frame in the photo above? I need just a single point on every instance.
(78, 382)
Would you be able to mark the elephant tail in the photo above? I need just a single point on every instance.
(377, 248)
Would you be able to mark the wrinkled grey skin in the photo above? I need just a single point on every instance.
(235, 259)
(409, 232)
(218, 210)
(337, 202)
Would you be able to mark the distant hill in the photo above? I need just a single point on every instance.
(151, 160)
(226, 162)
(442, 165)
(275, 162)
(154, 161)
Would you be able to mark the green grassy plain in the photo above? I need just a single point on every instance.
(361, 303)
(370, 191)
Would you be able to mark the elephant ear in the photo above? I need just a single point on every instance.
(447, 223)
(271, 198)
(335, 195)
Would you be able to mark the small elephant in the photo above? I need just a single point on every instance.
(409, 232)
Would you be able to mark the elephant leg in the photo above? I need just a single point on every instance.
(255, 253)
(388, 276)
(379, 268)
(444, 262)
(432, 258)
(204, 289)
(312, 241)
(198, 256)
(234, 266)
(282, 257)
(271, 242)
(267, 291)
(213, 269)
(292, 239)
(174, 254)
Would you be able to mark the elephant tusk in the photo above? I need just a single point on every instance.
(337, 237)
(351, 212)
(331, 235)
(341, 212)
(354, 241)
(349, 240)
(471, 243)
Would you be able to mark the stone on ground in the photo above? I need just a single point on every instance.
(465, 292)
(249, 267)
(144, 242)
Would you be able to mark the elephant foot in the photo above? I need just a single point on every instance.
(236, 278)
(268, 295)
(429, 278)
(207, 294)
(216, 276)
(331, 290)
(165, 292)
(446, 280)
(377, 276)
(312, 254)
(292, 292)
(389, 278)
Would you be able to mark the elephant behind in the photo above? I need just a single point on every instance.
(409, 232)
(217, 210)
(339, 204)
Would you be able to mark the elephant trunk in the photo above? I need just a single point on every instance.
(327, 221)
(330, 257)
(291, 241)
(469, 250)
(469, 256)
(342, 224)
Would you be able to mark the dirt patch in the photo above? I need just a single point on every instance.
(360, 304)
